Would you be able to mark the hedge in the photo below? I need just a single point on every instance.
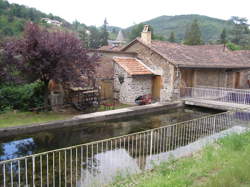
(21, 97)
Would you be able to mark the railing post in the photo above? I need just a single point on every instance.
(151, 144)
(33, 172)
(214, 124)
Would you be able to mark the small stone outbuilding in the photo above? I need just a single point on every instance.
(132, 79)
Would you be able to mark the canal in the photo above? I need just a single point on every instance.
(27, 144)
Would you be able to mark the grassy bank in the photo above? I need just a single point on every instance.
(11, 118)
(223, 164)
(22, 118)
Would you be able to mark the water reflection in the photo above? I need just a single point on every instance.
(121, 165)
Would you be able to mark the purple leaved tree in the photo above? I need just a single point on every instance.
(50, 55)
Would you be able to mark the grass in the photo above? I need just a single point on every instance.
(10, 119)
(224, 164)
(117, 106)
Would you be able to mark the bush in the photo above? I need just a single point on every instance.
(21, 97)
(233, 46)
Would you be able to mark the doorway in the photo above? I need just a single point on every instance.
(157, 85)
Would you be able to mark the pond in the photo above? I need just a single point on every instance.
(23, 145)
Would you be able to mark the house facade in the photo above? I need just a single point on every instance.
(131, 79)
(161, 68)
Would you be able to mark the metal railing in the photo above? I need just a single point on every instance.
(100, 163)
(229, 95)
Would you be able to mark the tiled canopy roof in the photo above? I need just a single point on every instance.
(203, 56)
(133, 66)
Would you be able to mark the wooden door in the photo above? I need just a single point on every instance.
(237, 80)
(157, 85)
(106, 89)
(187, 77)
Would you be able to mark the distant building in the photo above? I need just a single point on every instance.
(52, 22)
(115, 45)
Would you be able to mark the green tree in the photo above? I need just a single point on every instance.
(76, 25)
(223, 36)
(104, 34)
(84, 36)
(240, 29)
(94, 37)
(136, 31)
(193, 34)
(172, 37)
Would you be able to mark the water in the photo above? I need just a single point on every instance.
(13, 147)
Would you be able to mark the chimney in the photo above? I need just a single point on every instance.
(146, 35)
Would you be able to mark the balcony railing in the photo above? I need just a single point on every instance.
(229, 95)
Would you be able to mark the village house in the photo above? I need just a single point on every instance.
(161, 68)
(52, 22)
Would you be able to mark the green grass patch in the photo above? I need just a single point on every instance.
(9, 119)
(117, 106)
(223, 164)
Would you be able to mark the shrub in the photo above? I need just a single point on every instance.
(233, 46)
(21, 97)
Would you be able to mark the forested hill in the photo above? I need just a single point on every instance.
(14, 16)
(211, 28)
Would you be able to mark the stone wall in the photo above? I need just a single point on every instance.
(132, 87)
(159, 66)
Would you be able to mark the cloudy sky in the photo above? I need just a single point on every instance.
(128, 12)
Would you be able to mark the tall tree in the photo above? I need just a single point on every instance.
(136, 31)
(240, 30)
(76, 24)
(193, 34)
(84, 36)
(94, 40)
(43, 55)
(104, 34)
(172, 37)
(223, 36)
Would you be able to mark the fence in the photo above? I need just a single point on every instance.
(231, 95)
(99, 163)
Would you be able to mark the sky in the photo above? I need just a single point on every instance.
(129, 12)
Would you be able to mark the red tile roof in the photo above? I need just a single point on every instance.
(110, 48)
(133, 66)
(203, 56)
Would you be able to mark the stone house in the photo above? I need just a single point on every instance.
(160, 68)
(176, 65)
(105, 71)
(131, 79)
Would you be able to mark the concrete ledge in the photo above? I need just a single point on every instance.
(219, 105)
(79, 120)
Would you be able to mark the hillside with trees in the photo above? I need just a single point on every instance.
(13, 18)
(211, 28)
